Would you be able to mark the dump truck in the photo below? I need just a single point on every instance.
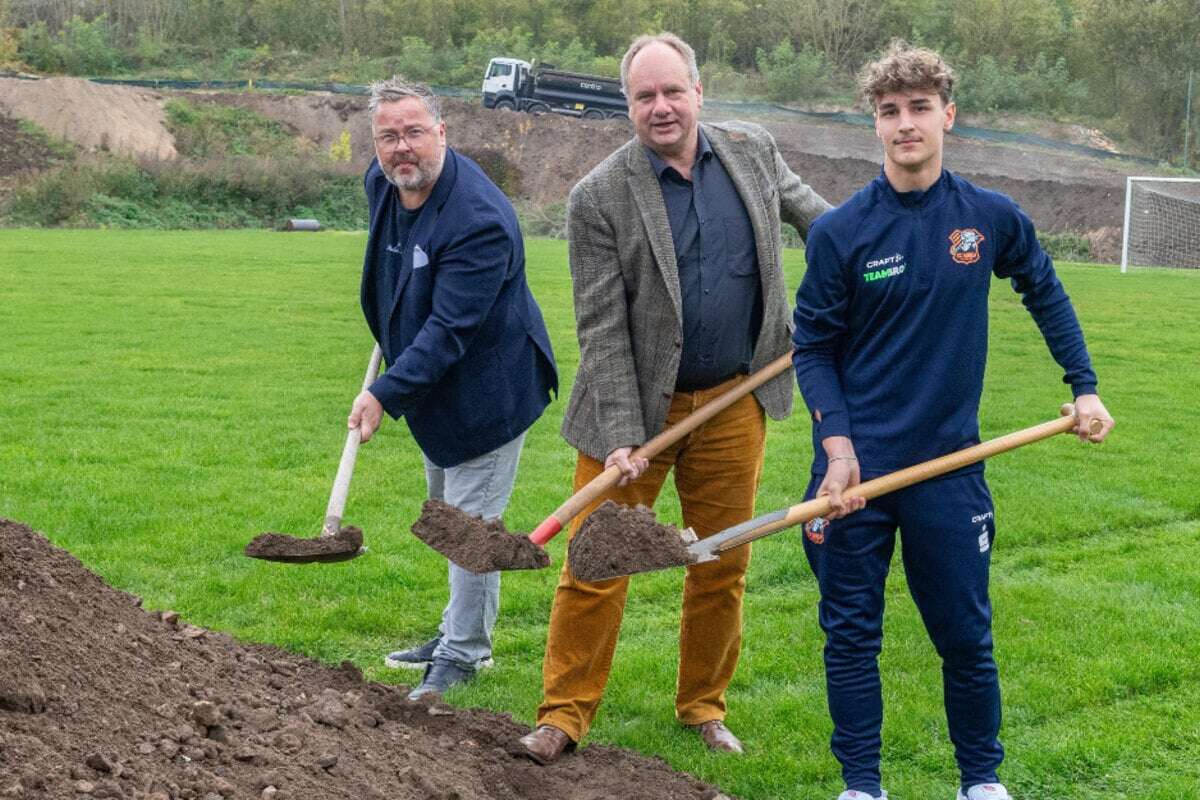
(516, 85)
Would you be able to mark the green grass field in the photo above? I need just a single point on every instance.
(164, 397)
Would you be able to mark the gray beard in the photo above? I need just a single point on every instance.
(420, 178)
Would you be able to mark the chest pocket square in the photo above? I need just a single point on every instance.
(419, 258)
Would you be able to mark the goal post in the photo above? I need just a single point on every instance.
(1162, 223)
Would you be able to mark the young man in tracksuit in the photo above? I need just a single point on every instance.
(891, 339)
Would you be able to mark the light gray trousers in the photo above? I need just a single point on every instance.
(481, 487)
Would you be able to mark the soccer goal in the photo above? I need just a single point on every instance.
(1162, 223)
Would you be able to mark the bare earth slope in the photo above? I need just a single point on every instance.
(101, 698)
(543, 157)
(538, 159)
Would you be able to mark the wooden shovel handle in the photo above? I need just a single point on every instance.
(820, 506)
(609, 477)
(341, 482)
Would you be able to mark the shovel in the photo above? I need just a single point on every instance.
(479, 549)
(606, 556)
(336, 543)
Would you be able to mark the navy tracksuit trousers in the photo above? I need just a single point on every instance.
(946, 529)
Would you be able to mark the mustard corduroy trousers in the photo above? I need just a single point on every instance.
(717, 470)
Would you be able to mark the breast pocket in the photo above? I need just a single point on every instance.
(740, 251)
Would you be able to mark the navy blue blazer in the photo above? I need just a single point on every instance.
(469, 363)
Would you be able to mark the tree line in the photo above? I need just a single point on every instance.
(1122, 64)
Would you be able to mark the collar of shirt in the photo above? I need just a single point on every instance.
(916, 199)
(703, 151)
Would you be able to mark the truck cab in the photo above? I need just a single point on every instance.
(502, 83)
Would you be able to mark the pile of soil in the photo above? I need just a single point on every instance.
(100, 698)
(475, 544)
(618, 540)
(271, 546)
(120, 119)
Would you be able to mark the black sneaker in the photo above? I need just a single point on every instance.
(440, 675)
(414, 657)
(420, 656)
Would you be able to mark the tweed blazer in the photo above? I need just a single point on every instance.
(627, 293)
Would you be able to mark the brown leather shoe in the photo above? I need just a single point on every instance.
(546, 743)
(718, 738)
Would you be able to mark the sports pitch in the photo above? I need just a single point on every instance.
(167, 396)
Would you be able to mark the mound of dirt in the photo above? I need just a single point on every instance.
(117, 119)
(100, 698)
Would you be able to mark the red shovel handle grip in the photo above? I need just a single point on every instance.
(545, 532)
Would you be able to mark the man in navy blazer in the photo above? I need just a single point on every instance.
(469, 363)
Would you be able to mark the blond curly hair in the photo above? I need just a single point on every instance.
(903, 68)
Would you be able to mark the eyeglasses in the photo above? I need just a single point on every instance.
(414, 137)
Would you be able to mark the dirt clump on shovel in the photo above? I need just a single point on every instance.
(100, 698)
(475, 544)
(618, 540)
(280, 547)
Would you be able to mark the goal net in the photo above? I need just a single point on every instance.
(1162, 223)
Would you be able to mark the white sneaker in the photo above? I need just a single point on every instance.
(985, 791)
(851, 794)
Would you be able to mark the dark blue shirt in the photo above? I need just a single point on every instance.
(718, 269)
(892, 318)
(393, 238)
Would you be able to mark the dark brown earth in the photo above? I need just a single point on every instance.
(20, 153)
(618, 540)
(475, 544)
(101, 698)
(272, 546)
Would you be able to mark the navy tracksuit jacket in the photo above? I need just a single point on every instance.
(891, 342)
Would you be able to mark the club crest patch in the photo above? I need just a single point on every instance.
(965, 244)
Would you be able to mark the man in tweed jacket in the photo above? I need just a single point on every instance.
(679, 293)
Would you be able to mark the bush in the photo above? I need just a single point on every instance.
(724, 81)
(417, 60)
(10, 46)
(991, 85)
(791, 76)
(150, 50)
(548, 220)
(87, 48)
(487, 44)
(1066, 246)
(53, 198)
(237, 192)
(80, 48)
(37, 48)
(208, 130)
